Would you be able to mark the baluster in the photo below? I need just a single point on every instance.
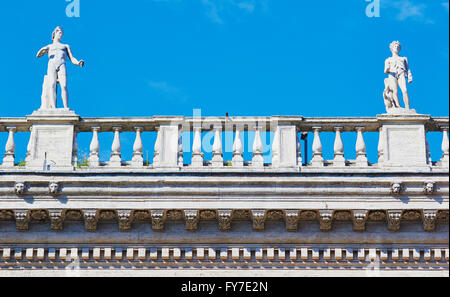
(276, 149)
(361, 156)
(317, 159)
(427, 148)
(10, 148)
(217, 159)
(380, 147)
(94, 159)
(339, 159)
(156, 154)
(116, 147)
(299, 151)
(180, 150)
(197, 155)
(138, 149)
(258, 159)
(445, 148)
(30, 146)
(238, 159)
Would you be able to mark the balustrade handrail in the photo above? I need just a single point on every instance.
(327, 124)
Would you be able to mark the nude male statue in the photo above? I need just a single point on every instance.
(398, 70)
(56, 71)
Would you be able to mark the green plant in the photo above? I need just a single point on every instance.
(21, 163)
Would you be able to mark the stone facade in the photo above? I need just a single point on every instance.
(230, 217)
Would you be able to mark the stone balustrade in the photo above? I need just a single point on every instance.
(402, 141)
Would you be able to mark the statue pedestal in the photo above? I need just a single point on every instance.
(51, 145)
(404, 142)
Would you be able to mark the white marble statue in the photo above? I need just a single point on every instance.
(56, 72)
(397, 68)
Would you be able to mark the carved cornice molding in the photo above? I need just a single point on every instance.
(292, 218)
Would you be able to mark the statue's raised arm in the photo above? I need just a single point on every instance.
(56, 71)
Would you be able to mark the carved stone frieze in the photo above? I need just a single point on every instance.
(90, 219)
(56, 219)
(377, 215)
(292, 219)
(429, 220)
(443, 215)
(73, 214)
(342, 215)
(158, 219)
(39, 215)
(325, 219)
(394, 218)
(107, 215)
(124, 216)
(241, 214)
(259, 217)
(174, 215)
(6, 214)
(208, 214)
(22, 219)
(411, 215)
(308, 215)
(359, 220)
(275, 215)
(191, 217)
(224, 216)
(141, 215)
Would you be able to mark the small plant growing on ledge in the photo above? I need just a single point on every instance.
(82, 160)
(21, 163)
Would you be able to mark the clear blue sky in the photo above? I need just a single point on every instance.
(245, 57)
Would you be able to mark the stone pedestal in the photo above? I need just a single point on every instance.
(285, 150)
(52, 139)
(168, 150)
(403, 139)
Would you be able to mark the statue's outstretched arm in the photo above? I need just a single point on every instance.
(42, 51)
(72, 58)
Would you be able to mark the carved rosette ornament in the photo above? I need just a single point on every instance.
(342, 215)
(22, 219)
(359, 220)
(56, 219)
(429, 220)
(19, 188)
(325, 220)
(39, 215)
(292, 218)
(443, 215)
(124, 216)
(224, 216)
(90, 220)
(158, 219)
(394, 218)
(259, 217)
(6, 215)
(191, 218)
(411, 215)
(308, 215)
(208, 214)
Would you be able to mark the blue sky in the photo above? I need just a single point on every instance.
(244, 57)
